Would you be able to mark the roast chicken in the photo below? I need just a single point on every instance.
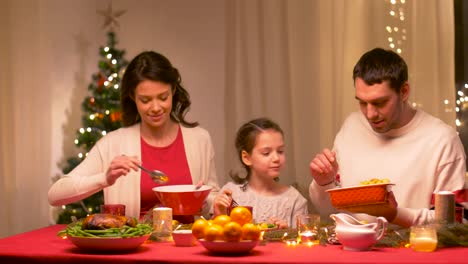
(105, 221)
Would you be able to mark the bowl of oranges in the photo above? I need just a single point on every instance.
(228, 234)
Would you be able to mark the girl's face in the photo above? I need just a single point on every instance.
(154, 103)
(267, 157)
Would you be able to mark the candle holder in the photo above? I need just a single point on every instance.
(162, 224)
(423, 238)
(114, 209)
(308, 229)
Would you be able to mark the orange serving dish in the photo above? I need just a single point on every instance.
(359, 196)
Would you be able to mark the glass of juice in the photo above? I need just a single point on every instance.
(423, 238)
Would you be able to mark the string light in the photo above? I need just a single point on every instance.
(461, 103)
(397, 37)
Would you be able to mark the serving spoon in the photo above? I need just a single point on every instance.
(156, 175)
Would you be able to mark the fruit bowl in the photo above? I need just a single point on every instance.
(224, 247)
(183, 199)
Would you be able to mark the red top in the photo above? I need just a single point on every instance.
(170, 159)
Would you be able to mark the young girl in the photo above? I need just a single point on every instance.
(260, 146)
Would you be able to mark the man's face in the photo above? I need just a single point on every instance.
(381, 105)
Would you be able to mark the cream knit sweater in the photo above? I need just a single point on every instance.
(423, 157)
(89, 176)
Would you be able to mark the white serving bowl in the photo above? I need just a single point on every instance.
(183, 238)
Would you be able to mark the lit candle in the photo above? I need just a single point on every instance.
(162, 224)
(308, 236)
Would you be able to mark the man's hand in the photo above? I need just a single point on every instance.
(324, 167)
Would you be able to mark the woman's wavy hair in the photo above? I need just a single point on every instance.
(150, 65)
(245, 141)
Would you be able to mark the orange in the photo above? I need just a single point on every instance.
(250, 232)
(221, 220)
(198, 228)
(232, 232)
(213, 232)
(241, 215)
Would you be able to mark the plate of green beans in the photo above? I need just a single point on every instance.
(111, 239)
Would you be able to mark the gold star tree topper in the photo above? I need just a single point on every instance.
(110, 17)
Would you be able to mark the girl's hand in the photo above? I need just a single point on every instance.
(120, 166)
(278, 222)
(221, 202)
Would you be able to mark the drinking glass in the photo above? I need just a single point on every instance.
(114, 209)
(308, 226)
(423, 238)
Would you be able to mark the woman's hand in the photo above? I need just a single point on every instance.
(120, 166)
(278, 222)
(221, 202)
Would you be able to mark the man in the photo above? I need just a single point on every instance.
(388, 138)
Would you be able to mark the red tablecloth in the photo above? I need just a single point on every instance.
(43, 246)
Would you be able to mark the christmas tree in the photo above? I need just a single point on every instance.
(101, 113)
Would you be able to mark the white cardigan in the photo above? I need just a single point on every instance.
(89, 176)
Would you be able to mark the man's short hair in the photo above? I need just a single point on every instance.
(379, 65)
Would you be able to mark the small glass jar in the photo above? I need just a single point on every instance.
(423, 238)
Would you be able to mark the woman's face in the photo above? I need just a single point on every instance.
(154, 103)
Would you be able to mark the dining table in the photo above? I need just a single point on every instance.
(44, 246)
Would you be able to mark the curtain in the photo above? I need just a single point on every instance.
(6, 130)
(292, 61)
(25, 120)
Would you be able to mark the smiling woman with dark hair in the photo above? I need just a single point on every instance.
(155, 133)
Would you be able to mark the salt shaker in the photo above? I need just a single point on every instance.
(444, 207)
(162, 224)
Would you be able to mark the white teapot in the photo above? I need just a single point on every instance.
(355, 235)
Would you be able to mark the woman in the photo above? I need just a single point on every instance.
(154, 133)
